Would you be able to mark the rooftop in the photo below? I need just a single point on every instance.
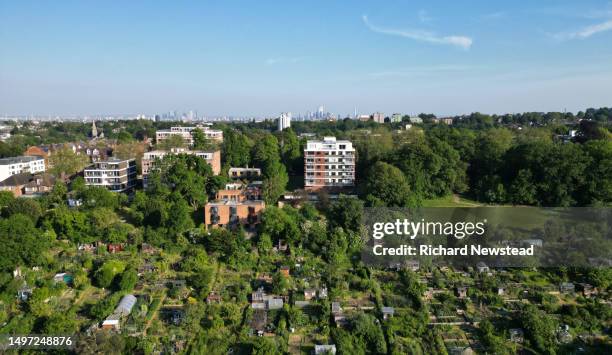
(20, 159)
(236, 203)
(16, 180)
(179, 151)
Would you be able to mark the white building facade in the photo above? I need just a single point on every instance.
(186, 133)
(21, 165)
(284, 121)
(329, 163)
(114, 174)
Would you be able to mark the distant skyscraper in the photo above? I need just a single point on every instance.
(284, 121)
(321, 112)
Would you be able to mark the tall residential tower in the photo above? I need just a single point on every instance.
(284, 121)
(329, 164)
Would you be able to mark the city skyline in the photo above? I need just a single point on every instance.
(244, 59)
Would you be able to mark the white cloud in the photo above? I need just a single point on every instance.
(423, 36)
(585, 32)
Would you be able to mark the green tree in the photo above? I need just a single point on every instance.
(598, 184)
(69, 224)
(290, 151)
(65, 161)
(172, 141)
(523, 190)
(347, 213)
(274, 183)
(266, 152)
(95, 196)
(58, 194)
(279, 223)
(539, 329)
(124, 137)
(60, 323)
(264, 346)
(21, 243)
(129, 278)
(106, 273)
(27, 207)
(266, 155)
(280, 284)
(236, 149)
(200, 141)
(6, 197)
(386, 185)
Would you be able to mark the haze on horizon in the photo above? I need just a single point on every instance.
(244, 58)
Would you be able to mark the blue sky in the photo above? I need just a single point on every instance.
(263, 57)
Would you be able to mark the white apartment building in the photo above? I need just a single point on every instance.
(329, 163)
(284, 121)
(114, 174)
(185, 132)
(148, 160)
(378, 117)
(19, 165)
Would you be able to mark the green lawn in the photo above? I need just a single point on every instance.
(451, 201)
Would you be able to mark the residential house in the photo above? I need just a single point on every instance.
(413, 265)
(15, 184)
(481, 267)
(325, 349)
(27, 184)
(588, 290)
(261, 300)
(567, 287)
(285, 271)
(235, 205)
(244, 173)
(213, 297)
(517, 335)
(63, 277)
(24, 292)
(39, 184)
(387, 312)
(309, 294)
(461, 291)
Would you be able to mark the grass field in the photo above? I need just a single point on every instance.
(528, 217)
(451, 201)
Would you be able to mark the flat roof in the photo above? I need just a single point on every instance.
(20, 159)
(187, 151)
(236, 203)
